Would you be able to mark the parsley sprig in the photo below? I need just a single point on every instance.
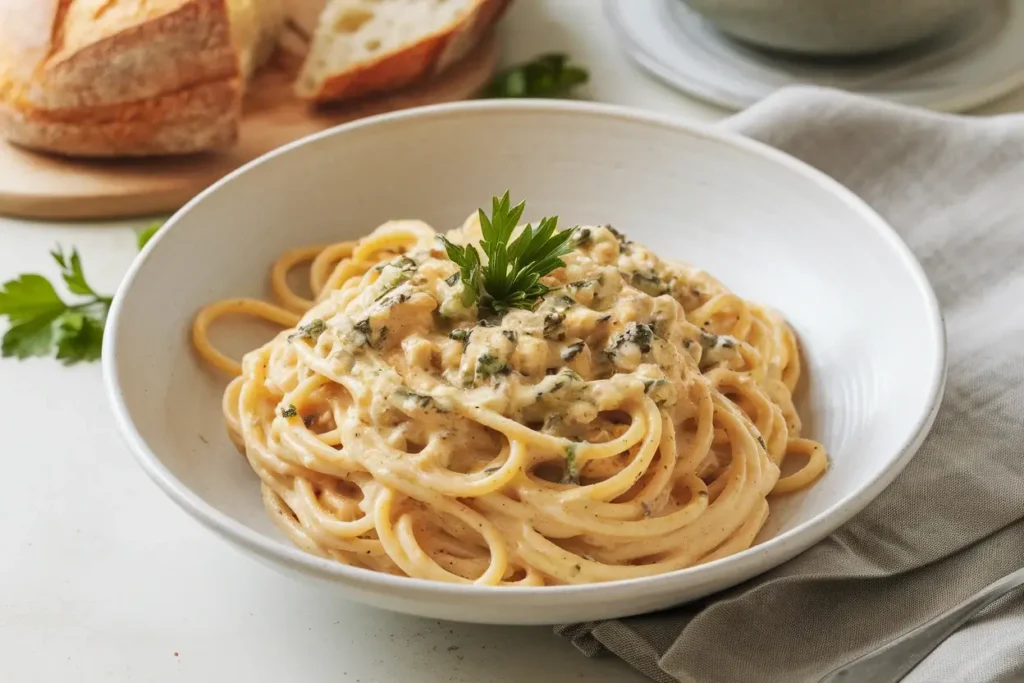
(546, 76)
(511, 277)
(40, 320)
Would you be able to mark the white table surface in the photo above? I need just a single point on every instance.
(102, 578)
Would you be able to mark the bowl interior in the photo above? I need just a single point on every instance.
(768, 227)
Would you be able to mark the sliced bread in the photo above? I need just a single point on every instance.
(362, 47)
(129, 77)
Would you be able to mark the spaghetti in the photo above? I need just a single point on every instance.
(633, 423)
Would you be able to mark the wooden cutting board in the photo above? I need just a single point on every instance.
(42, 186)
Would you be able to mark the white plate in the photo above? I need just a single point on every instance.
(770, 227)
(981, 60)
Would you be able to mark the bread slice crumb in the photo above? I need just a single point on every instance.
(362, 47)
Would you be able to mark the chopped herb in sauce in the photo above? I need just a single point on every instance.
(710, 341)
(618, 235)
(583, 237)
(510, 335)
(363, 327)
(563, 303)
(312, 330)
(572, 474)
(760, 440)
(395, 282)
(452, 280)
(394, 299)
(635, 333)
(461, 335)
(402, 263)
(653, 384)
(488, 364)
(552, 323)
(571, 374)
(289, 411)
(571, 351)
(649, 282)
(491, 470)
(421, 400)
(405, 263)
(555, 388)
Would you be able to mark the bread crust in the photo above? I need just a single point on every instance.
(197, 119)
(186, 43)
(429, 56)
(161, 80)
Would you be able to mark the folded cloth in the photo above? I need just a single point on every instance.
(953, 521)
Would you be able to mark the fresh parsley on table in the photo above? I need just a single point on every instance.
(41, 321)
(511, 277)
(547, 76)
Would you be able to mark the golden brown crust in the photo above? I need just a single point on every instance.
(431, 55)
(178, 44)
(120, 78)
(201, 118)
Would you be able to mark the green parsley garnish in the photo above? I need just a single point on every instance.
(40, 320)
(572, 473)
(289, 411)
(511, 278)
(311, 331)
(549, 76)
(146, 234)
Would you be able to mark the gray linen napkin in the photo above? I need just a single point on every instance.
(953, 522)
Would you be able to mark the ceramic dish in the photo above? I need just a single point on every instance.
(976, 62)
(832, 27)
(771, 228)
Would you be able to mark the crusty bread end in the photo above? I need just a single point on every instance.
(362, 47)
(199, 119)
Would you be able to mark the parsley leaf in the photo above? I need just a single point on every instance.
(547, 76)
(29, 297)
(511, 277)
(146, 234)
(34, 337)
(41, 322)
(80, 337)
(71, 271)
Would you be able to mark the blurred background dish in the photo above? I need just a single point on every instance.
(976, 61)
(833, 27)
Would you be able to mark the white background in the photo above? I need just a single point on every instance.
(103, 579)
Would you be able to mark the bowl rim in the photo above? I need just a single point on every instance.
(746, 563)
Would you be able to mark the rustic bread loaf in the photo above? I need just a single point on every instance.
(129, 77)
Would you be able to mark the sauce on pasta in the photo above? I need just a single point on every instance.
(633, 422)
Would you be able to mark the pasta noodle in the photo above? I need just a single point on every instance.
(633, 423)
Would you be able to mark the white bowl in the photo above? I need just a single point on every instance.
(833, 27)
(768, 226)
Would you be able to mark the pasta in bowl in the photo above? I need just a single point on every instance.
(629, 418)
(596, 431)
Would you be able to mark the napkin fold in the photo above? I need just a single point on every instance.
(953, 521)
